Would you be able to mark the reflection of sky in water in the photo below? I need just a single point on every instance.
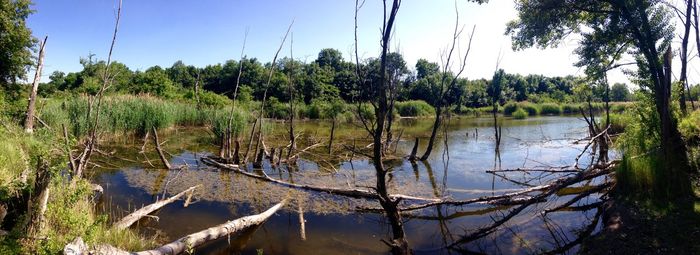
(331, 229)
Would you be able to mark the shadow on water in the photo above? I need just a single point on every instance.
(333, 225)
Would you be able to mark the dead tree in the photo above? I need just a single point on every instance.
(39, 199)
(292, 139)
(229, 128)
(445, 83)
(398, 244)
(684, 56)
(261, 114)
(156, 141)
(29, 120)
(92, 139)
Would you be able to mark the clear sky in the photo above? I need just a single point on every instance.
(202, 32)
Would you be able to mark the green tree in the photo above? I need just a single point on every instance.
(16, 41)
(330, 58)
(640, 28)
(154, 81)
(619, 92)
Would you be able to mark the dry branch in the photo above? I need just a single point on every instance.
(185, 243)
(132, 218)
(160, 151)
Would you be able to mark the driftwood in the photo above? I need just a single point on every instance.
(132, 218)
(353, 193)
(519, 197)
(550, 189)
(183, 244)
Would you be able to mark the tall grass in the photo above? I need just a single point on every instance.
(520, 114)
(550, 109)
(131, 114)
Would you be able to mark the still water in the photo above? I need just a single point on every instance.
(333, 225)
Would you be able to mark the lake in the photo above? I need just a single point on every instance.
(334, 225)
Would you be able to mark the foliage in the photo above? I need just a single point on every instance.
(520, 114)
(16, 42)
(414, 108)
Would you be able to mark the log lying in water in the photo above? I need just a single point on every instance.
(185, 243)
(132, 218)
(353, 193)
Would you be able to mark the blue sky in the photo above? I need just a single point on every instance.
(160, 32)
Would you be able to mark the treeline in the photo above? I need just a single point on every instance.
(329, 77)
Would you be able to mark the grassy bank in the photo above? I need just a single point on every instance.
(69, 209)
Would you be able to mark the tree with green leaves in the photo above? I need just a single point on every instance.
(16, 42)
(610, 29)
(619, 92)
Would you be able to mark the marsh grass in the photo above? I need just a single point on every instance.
(127, 114)
(520, 114)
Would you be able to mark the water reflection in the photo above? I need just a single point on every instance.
(333, 226)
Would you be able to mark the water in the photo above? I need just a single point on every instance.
(333, 224)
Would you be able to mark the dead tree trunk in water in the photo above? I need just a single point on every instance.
(330, 141)
(261, 114)
(445, 85)
(413, 157)
(398, 244)
(229, 128)
(292, 139)
(29, 121)
(159, 150)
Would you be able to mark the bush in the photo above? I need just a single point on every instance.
(618, 108)
(414, 108)
(530, 108)
(550, 109)
(509, 108)
(520, 114)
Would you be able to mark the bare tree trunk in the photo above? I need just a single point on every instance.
(413, 157)
(185, 243)
(259, 159)
(135, 216)
(433, 134)
(29, 121)
(250, 142)
(398, 244)
(159, 150)
(684, 57)
(292, 139)
(39, 199)
(330, 142)
(229, 128)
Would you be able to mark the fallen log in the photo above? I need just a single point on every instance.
(184, 244)
(160, 151)
(132, 218)
(353, 193)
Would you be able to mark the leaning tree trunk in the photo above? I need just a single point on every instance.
(29, 121)
(433, 134)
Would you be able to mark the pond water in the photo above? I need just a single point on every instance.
(333, 225)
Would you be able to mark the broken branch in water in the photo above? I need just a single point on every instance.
(130, 219)
(185, 243)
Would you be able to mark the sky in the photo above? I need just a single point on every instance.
(204, 32)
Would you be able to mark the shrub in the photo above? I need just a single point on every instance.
(550, 109)
(530, 108)
(520, 114)
(618, 108)
(414, 108)
(509, 108)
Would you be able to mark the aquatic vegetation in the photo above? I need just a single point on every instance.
(520, 114)
(550, 109)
